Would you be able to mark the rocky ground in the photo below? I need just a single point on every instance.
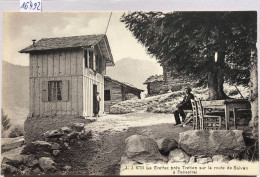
(107, 146)
(101, 154)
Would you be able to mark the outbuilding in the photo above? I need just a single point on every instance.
(155, 84)
(116, 91)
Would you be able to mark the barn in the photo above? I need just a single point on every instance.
(65, 73)
(116, 91)
(155, 84)
(170, 80)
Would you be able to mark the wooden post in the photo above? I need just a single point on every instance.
(235, 121)
(227, 109)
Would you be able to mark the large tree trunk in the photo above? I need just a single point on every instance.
(254, 94)
(216, 79)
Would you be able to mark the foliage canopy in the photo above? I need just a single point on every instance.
(187, 41)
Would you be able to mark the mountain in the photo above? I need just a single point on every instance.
(15, 91)
(133, 71)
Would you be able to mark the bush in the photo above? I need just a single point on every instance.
(16, 131)
(5, 121)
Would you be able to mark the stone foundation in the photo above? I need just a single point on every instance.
(34, 127)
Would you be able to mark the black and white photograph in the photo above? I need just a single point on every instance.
(130, 93)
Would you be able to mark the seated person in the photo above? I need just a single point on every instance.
(185, 104)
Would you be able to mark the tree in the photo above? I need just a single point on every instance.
(5, 121)
(212, 45)
(254, 94)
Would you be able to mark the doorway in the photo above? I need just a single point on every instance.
(95, 104)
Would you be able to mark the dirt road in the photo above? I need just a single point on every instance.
(102, 154)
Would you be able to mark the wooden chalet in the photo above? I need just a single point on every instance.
(154, 84)
(170, 80)
(65, 73)
(116, 91)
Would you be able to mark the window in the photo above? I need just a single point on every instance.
(54, 91)
(91, 59)
(107, 95)
(86, 58)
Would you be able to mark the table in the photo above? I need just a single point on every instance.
(227, 104)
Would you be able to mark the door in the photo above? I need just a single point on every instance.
(94, 98)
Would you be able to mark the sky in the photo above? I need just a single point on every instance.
(20, 28)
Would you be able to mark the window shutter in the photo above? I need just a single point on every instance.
(94, 63)
(65, 90)
(45, 91)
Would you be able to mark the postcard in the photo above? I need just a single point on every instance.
(130, 93)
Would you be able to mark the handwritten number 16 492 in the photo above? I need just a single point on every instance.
(31, 5)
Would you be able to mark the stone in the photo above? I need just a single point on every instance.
(9, 170)
(66, 145)
(192, 160)
(65, 130)
(14, 161)
(86, 134)
(21, 167)
(220, 158)
(40, 154)
(30, 161)
(64, 138)
(20, 159)
(67, 168)
(33, 163)
(56, 152)
(125, 161)
(12, 145)
(52, 139)
(142, 149)
(47, 164)
(37, 171)
(52, 134)
(204, 160)
(165, 145)
(78, 127)
(55, 146)
(177, 155)
(26, 171)
(36, 146)
(212, 142)
(73, 135)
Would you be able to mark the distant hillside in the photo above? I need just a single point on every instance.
(15, 91)
(133, 71)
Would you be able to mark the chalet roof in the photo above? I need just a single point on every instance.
(155, 78)
(71, 43)
(122, 83)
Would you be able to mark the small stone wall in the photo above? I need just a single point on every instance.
(157, 87)
(34, 127)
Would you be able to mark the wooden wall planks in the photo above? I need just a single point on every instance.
(63, 65)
